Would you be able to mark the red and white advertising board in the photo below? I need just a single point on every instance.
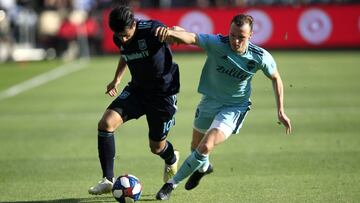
(331, 26)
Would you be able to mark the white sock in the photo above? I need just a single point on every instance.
(204, 167)
(173, 183)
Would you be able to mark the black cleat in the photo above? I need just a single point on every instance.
(195, 178)
(165, 192)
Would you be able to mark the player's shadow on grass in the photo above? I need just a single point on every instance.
(144, 198)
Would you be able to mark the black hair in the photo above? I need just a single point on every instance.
(242, 19)
(120, 18)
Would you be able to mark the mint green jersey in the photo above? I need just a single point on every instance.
(226, 75)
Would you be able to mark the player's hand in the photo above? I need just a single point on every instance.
(162, 33)
(177, 28)
(285, 121)
(111, 88)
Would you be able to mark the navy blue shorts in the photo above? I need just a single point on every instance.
(159, 110)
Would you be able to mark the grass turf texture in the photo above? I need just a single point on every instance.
(48, 144)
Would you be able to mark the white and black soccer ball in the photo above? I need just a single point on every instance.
(127, 188)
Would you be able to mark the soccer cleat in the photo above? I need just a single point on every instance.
(165, 192)
(195, 178)
(102, 187)
(170, 170)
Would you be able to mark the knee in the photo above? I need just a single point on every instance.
(105, 125)
(205, 147)
(155, 149)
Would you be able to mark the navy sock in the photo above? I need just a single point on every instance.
(106, 149)
(168, 154)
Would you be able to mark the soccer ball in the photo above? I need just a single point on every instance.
(127, 188)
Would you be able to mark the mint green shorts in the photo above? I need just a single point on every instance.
(210, 114)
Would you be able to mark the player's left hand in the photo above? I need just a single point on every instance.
(285, 121)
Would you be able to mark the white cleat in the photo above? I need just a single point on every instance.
(102, 187)
(170, 170)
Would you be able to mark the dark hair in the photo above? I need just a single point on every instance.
(242, 19)
(120, 18)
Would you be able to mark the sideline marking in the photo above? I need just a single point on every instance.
(36, 81)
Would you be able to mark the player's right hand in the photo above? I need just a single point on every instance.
(111, 89)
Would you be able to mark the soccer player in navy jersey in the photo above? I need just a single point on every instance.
(151, 92)
(225, 84)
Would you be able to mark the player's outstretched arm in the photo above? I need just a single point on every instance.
(279, 97)
(111, 88)
(176, 34)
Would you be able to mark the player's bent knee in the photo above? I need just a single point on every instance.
(105, 124)
(155, 150)
(110, 121)
(205, 148)
(157, 147)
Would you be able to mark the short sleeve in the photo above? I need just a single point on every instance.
(268, 65)
(208, 41)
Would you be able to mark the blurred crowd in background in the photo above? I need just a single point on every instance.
(50, 28)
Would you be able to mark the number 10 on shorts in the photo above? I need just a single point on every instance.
(168, 125)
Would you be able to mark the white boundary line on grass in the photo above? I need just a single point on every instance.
(44, 78)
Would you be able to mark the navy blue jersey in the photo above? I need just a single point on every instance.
(150, 61)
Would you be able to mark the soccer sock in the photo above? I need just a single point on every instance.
(191, 164)
(203, 168)
(168, 154)
(106, 149)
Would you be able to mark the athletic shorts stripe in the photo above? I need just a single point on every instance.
(240, 121)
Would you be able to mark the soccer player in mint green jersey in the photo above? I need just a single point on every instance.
(225, 84)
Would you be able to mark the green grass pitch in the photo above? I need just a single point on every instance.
(48, 135)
